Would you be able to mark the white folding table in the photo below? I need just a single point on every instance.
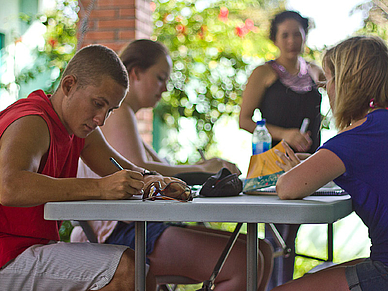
(250, 209)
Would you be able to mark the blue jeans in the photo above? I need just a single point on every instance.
(124, 234)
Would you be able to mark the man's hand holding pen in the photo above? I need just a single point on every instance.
(126, 183)
(121, 185)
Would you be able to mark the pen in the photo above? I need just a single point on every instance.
(305, 124)
(116, 163)
(202, 154)
(121, 168)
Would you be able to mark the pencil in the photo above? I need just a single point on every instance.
(202, 154)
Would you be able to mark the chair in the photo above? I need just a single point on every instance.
(163, 282)
(284, 250)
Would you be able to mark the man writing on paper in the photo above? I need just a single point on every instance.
(42, 138)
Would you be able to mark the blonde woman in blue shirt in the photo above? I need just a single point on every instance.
(356, 159)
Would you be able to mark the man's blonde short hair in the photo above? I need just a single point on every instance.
(94, 62)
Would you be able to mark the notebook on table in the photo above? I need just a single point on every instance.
(330, 189)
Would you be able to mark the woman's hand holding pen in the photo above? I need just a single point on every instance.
(297, 139)
(289, 158)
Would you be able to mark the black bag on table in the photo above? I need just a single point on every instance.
(222, 184)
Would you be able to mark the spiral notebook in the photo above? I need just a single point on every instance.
(330, 189)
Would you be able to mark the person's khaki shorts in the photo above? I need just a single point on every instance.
(62, 266)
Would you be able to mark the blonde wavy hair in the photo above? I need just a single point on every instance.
(359, 66)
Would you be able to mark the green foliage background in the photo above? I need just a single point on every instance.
(59, 48)
(214, 47)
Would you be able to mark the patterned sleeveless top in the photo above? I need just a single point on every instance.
(290, 99)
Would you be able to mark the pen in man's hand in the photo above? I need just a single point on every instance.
(305, 124)
(116, 163)
(121, 168)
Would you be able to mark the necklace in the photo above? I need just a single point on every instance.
(301, 82)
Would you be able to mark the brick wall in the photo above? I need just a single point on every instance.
(114, 23)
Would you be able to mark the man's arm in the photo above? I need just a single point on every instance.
(23, 150)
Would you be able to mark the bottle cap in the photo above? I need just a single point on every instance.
(261, 122)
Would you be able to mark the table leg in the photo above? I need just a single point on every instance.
(252, 256)
(140, 255)
(330, 244)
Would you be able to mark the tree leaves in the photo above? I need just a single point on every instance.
(214, 47)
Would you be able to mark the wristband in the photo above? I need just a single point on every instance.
(146, 173)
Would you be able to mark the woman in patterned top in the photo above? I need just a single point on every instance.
(285, 91)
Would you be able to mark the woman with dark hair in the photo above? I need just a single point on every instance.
(285, 92)
(285, 89)
(189, 251)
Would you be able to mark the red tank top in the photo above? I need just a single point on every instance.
(22, 227)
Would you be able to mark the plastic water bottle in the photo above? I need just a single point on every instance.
(261, 138)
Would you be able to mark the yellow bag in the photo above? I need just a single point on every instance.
(263, 171)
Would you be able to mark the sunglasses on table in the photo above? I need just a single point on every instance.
(172, 191)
